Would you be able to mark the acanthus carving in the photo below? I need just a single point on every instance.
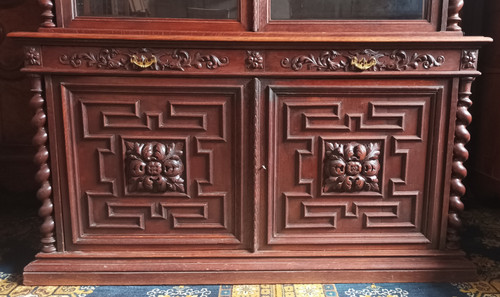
(110, 58)
(32, 56)
(254, 60)
(469, 60)
(47, 15)
(397, 60)
(460, 155)
(154, 167)
(351, 167)
(42, 177)
(454, 19)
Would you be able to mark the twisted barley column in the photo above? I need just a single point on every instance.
(47, 15)
(454, 19)
(460, 155)
(41, 157)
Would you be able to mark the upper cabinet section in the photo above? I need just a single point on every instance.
(348, 9)
(372, 17)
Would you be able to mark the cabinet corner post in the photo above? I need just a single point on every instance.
(42, 177)
(460, 155)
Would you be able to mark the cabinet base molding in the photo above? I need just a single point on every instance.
(267, 270)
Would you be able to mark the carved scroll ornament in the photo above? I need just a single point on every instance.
(332, 60)
(351, 167)
(154, 167)
(110, 58)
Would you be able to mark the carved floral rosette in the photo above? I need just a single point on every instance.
(397, 60)
(254, 60)
(468, 60)
(32, 56)
(154, 167)
(144, 58)
(351, 167)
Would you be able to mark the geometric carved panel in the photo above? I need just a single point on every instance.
(159, 164)
(358, 163)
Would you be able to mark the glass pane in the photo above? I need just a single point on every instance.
(347, 9)
(195, 9)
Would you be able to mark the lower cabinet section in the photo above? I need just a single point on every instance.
(246, 180)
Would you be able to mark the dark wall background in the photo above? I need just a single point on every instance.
(481, 17)
(16, 167)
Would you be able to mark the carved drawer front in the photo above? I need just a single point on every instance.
(152, 161)
(356, 162)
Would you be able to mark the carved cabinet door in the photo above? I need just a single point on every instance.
(152, 163)
(356, 162)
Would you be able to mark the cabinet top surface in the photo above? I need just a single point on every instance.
(252, 37)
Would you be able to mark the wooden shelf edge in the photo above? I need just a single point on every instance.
(261, 37)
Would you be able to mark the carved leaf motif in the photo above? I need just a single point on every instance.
(397, 60)
(154, 167)
(132, 60)
(324, 62)
(352, 167)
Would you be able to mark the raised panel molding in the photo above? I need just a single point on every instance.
(387, 125)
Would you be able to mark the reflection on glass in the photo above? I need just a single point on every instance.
(195, 9)
(347, 9)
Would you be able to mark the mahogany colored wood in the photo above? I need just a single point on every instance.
(250, 157)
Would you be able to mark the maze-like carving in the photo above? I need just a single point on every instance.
(311, 122)
(134, 214)
(156, 154)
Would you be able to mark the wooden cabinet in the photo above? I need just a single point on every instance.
(192, 150)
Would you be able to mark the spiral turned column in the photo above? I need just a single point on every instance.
(454, 19)
(460, 155)
(47, 15)
(41, 158)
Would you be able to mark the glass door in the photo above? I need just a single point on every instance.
(196, 9)
(347, 9)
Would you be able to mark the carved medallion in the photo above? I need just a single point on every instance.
(110, 58)
(254, 60)
(154, 167)
(32, 56)
(469, 60)
(367, 59)
(351, 167)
